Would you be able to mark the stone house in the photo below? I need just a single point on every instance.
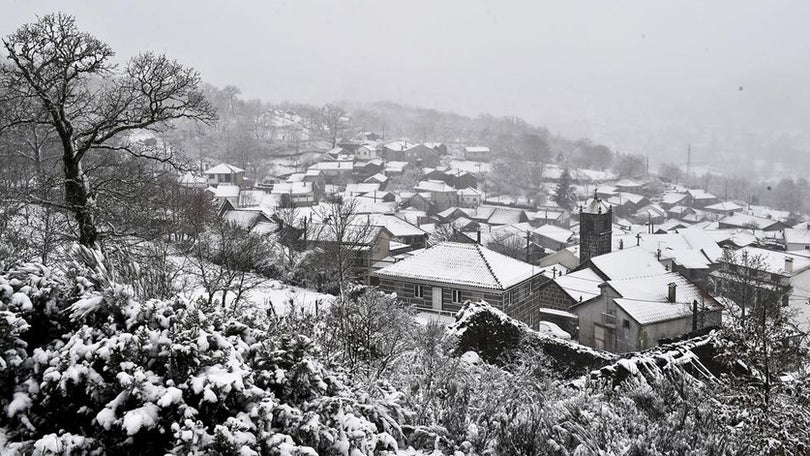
(441, 278)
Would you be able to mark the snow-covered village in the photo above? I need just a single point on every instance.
(194, 267)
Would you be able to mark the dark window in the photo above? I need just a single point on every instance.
(418, 291)
(456, 295)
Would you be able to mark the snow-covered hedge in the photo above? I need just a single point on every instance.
(497, 338)
(85, 368)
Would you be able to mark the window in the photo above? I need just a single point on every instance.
(418, 291)
(456, 297)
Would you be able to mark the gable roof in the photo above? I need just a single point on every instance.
(581, 285)
(627, 263)
(462, 264)
(224, 168)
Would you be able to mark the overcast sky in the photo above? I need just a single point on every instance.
(649, 64)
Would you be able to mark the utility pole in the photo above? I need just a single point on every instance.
(688, 161)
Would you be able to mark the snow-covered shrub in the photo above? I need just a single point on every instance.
(85, 367)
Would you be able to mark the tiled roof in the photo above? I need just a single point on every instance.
(462, 264)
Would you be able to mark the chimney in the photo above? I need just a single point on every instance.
(671, 295)
(788, 265)
(603, 289)
(658, 254)
(621, 244)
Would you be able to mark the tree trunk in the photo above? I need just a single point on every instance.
(78, 200)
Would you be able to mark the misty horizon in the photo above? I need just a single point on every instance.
(641, 78)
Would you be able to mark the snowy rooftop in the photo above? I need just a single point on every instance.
(748, 221)
(628, 263)
(775, 261)
(476, 149)
(434, 186)
(580, 285)
(647, 312)
(397, 226)
(673, 198)
(725, 206)
(555, 233)
(226, 191)
(462, 264)
(656, 288)
(224, 168)
(797, 236)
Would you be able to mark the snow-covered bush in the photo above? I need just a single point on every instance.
(86, 368)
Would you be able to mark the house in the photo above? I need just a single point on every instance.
(401, 231)
(361, 189)
(294, 194)
(460, 178)
(628, 186)
(395, 168)
(724, 208)
(627, 203)
(441, 278)
(411, 153)
(550, 215)
(223, 192)
(364, 169)
(751, 222)
(246, 219)
(672, 199)
(678, 212)
(629, 275)
(565, 291)
(226, 174)
(701, 198)
(790, 270)
(516, 241)
(378, 178)
(797, 238)
(192, 181)
(442, 196)
(506, 216)
(477, 153)
(553, 237)
(469, 197)
(439, 148)
(366, 152)
(338, 154)
(419, 201)
(649, 214)
(635, 313)
(369, 244)
(334, 171)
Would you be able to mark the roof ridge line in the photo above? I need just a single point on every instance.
(489, 267)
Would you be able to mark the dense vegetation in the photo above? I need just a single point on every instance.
(86, 368)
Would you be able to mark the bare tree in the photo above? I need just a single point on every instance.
(88, 103)
(343, 238)
(228, 259)
(368, 331)
(760, 327)
(327, 123)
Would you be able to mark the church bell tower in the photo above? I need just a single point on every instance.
(595, 229)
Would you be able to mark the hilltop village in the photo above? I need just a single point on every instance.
(615, 262)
